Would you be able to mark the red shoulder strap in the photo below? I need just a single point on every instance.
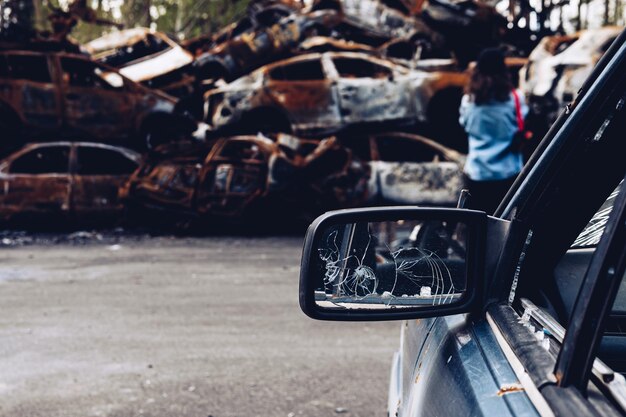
(518, 111)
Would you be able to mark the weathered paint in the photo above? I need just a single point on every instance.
(338, 100)
(58, 106)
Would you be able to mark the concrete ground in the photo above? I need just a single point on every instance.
(178, 327)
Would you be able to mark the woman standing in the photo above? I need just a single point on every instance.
(491, 113)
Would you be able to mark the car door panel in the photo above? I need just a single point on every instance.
(29, 189)
(92, 104)
(370, 92)
(310, 104)
(27, 87)
(98, 174)
(461, 370)
(306, 94)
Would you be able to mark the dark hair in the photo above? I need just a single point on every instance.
(490, 79)
(485, 88)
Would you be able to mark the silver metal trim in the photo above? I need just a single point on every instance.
(531, 389)
(614, 382)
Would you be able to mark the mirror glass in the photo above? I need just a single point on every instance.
(391, 264)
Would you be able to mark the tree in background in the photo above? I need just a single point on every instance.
(181, 19)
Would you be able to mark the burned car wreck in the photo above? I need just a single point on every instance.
(71, 96)
(324, 93)
(244, 177)
(557, 69)
(71, 181)
(147, 57)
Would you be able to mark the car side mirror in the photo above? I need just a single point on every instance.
(392, 263)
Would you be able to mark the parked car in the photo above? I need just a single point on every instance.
(317, 94)
(147, 57)
(71, 96)
(504, 315)
(72, 180)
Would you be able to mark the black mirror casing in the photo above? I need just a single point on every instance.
(476, 222)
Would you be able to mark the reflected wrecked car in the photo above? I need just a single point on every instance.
(71, 180)
(74, 97)
(318, 94)
(147, 57)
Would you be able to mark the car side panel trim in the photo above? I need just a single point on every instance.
(529, 386)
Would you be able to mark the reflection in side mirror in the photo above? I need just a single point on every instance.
(379, 261)
(392, 264)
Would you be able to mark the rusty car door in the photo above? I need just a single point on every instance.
(234, 175)
(36, 181)
(27, 87)
(409, 171)
(98, 173)
(306, 94)
(96, 100)
(371, 92)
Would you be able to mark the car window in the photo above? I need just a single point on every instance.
(298, 71)
(392, 149)
(45, 160)
(27, 67)
(102, 161)
(79, 73)
(591, 234)
(360, 68)
(147, 46)
(239, 150)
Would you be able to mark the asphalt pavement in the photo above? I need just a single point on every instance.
(178, 327)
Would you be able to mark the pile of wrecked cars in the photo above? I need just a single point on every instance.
(292, 110)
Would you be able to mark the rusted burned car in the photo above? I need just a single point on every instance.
(248, 51)
(72, 96)
(221, 178)
(289, 178)
(259, 14)
(405, 168)
(558, 67)
(381, 19)
(147, 57)
(68, 180)
(318, 94)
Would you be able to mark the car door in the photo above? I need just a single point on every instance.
(37, 181)
(96, 101)
(98, 173)
(233, 176)
(370, 91)
(409, 170)
(27, 87)
(306, 95)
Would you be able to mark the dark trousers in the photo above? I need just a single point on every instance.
(486, 195)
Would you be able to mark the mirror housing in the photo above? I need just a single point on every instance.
(352, 270)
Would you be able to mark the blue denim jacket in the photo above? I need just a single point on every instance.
(490, 128)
